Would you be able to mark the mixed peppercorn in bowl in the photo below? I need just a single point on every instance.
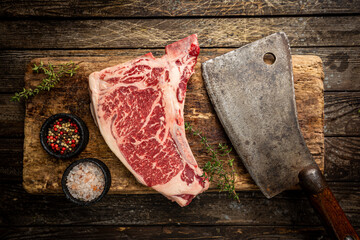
(64, 135)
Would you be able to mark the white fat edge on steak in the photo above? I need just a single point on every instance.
(179, 136)
(178, 113)
(94, 82)
(97, 86)
(173, 112)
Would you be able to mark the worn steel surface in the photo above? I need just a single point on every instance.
(255, 103)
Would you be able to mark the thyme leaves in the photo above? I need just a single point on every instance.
(53, 75)
(216, 169)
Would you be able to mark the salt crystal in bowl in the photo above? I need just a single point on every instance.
(86, 181)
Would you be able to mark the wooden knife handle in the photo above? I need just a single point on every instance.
(325, 204)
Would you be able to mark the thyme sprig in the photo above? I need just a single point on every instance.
(53, 75)
(216, 168)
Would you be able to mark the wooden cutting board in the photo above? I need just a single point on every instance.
(42, 173)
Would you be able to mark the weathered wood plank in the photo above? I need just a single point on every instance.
(11, 117)
(164, 232)
(13, 62)
(290, 208)
(42, 174)
(156, 33)
(342, 158)
(170, 8)
(341, 65)
(342, 116)
(11, 153)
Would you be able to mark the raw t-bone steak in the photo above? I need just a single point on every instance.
(138, 107)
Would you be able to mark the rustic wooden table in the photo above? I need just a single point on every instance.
(29, 29)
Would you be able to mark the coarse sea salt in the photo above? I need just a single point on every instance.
(85, 181)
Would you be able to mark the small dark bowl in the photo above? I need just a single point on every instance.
(107, 178)
(83, 130)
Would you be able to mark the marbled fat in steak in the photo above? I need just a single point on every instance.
(138, 107)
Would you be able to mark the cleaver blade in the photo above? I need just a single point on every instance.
(255, 102)
(252, 91)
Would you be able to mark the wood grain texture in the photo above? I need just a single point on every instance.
(11, 154)
(171, 8)
(151, 216)
(309, 96)
(339, 63)
(341, 66)
(332, 215)
(42, 173)
(336, 122)
(325, 204)
(12, 117)
(342, 159)
(164, 232)
(342, 115)
(288, 209)
(156, 33)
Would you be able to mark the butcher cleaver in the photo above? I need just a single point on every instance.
(252, 91)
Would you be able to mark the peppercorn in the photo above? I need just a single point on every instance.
(63, 137)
